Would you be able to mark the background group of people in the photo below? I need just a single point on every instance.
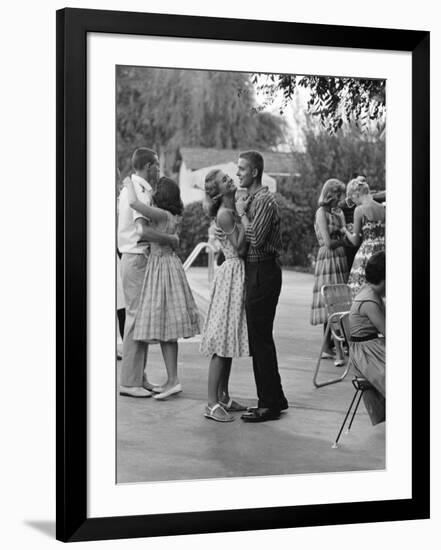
(350, 227)
(160, 307)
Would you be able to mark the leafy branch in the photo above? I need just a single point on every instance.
(334, 100)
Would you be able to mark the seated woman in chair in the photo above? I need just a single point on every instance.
(367, 320)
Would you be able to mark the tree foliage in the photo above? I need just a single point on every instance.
(165, 109)
(193, 230)
(295, 229)
(338, 156)
(297, 240)
(334, 100)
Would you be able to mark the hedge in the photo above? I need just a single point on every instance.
(298, 240)
(193, 230)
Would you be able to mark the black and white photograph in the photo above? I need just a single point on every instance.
(250, 258)
(194, 275)
(224, 187)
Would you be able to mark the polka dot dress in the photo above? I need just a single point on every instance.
(225, 329)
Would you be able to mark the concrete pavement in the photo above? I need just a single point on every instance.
(171, 440)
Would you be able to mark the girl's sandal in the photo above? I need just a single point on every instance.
(339, 363)
(217, 413)
(233, 406)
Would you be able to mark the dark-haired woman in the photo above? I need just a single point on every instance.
(167, 310)
(368, 330)
(225, 335)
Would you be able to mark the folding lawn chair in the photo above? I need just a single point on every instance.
(338, 301)
(359, 382)
(361, 385)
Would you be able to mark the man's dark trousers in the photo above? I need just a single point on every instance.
(263, 285)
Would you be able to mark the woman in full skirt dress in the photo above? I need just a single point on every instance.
(167, 310)
(331, 265)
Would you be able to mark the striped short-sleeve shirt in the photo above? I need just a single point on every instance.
(263, 233)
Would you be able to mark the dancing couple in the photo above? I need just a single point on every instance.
(160, 307)
(245, 292)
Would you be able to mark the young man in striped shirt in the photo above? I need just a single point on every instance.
(260, 217)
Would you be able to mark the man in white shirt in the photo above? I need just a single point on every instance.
(134, 235)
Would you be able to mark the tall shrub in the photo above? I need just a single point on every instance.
(193, 230)
(297, 237)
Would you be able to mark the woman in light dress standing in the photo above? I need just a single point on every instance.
(225, 335)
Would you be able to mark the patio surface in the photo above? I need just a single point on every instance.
(171, 440)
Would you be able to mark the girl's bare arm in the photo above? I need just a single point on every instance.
(233, 231)
(151, 212)
(376, 316)
(322, 223)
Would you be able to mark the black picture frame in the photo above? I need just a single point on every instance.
(71, 428)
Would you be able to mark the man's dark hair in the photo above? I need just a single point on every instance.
(376, 268)
(168, 196)
(141, 157)
(256, 161)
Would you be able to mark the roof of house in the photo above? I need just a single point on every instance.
(200, 157)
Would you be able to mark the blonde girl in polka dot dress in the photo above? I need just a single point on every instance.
(225, 334)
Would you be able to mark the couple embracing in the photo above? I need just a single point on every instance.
(245, 291)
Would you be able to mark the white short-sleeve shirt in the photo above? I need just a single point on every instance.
(129, 241)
